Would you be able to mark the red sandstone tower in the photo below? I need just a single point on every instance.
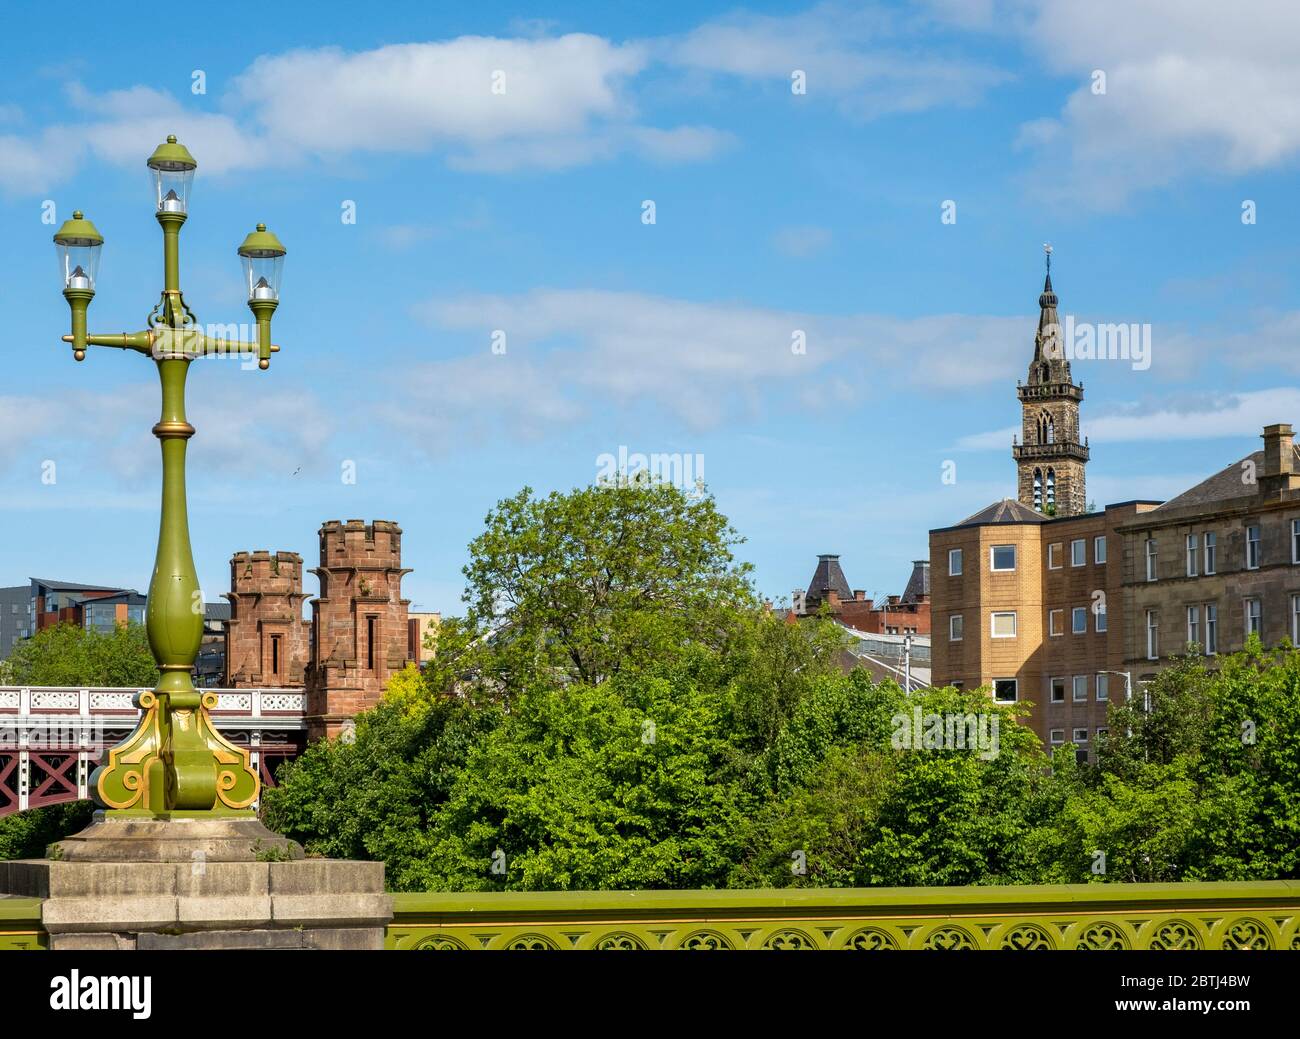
(359, 623)
(267, 641)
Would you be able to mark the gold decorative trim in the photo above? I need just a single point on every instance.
(173, 430)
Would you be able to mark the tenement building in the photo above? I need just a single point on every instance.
(1218, 562)
(1045, 601)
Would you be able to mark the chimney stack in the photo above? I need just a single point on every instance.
(1279, 471)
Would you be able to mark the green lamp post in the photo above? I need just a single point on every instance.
(175, 764)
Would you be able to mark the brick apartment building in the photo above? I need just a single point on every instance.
(1045, 600)
(1031, 606)
(359, 633)
(906, 614)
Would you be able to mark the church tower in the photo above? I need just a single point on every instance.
(1050, 458)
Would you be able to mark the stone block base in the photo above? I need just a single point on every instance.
(136, 902)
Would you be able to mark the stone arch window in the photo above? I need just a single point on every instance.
(1051, 488)
(1038, 489)
(1046, 429)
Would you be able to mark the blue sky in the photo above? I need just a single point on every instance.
(522, 211)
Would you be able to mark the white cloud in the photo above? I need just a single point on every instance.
(488, 104)
(243, 429)
(1194, 86)
(409, 97)
(569, 352)
(500, 104)
(870, 59)
(1205, 416)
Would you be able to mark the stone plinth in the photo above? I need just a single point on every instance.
(179, 839)
(199, 884)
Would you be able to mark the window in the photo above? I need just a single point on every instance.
(1099, 615)
(1210, 548)
(1254, 617)
(954, 562)
(1295, 541)
(1004, 690)
(1057, 686)
(1192, 554)
(1103, 733)
(1078, 552)
(1153, 636)
(1081, 757)
(1079, 620)
(1003, 625)
(1252, 547)
(1151, 559)
(1080, 688)
(1054, 557)
(1103, 687)
(954, 627)
(370, 642)
(1002, 557)
(1193, 625)
(1057, 737)
(275, 655)
(1295, 619)
(1056, 622)
(1080, 735)
(1099, 549)
(1211, 628)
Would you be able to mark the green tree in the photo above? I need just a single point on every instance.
(577, 586)
(68, 655)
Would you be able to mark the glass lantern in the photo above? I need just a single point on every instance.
(262, 255)
(78, 244)
(172, 167)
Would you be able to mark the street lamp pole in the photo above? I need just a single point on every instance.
(1128, 692)
(175, 763)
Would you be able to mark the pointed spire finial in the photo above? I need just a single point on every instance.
(1047, 248)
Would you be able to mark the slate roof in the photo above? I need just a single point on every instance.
(1005, 511)
(919, 583)
(826, 578)
(1224, 484)
(72, 586)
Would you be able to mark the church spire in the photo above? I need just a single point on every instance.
(1049, 363)
(1050, 458)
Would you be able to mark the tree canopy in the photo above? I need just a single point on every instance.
(617, 709)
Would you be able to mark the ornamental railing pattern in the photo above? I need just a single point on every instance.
(51, 738)
(1254, 916)
(1246, 916)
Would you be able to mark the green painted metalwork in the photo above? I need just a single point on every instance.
(175, 762)
(1247, 916)
(20, 925)
(1256, 916)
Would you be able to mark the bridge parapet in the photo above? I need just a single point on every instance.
(52, 737)
(1104, 916)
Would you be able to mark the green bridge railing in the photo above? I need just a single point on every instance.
(1082, 916)
(1263, 915)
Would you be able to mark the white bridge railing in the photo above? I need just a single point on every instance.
(45, 729)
